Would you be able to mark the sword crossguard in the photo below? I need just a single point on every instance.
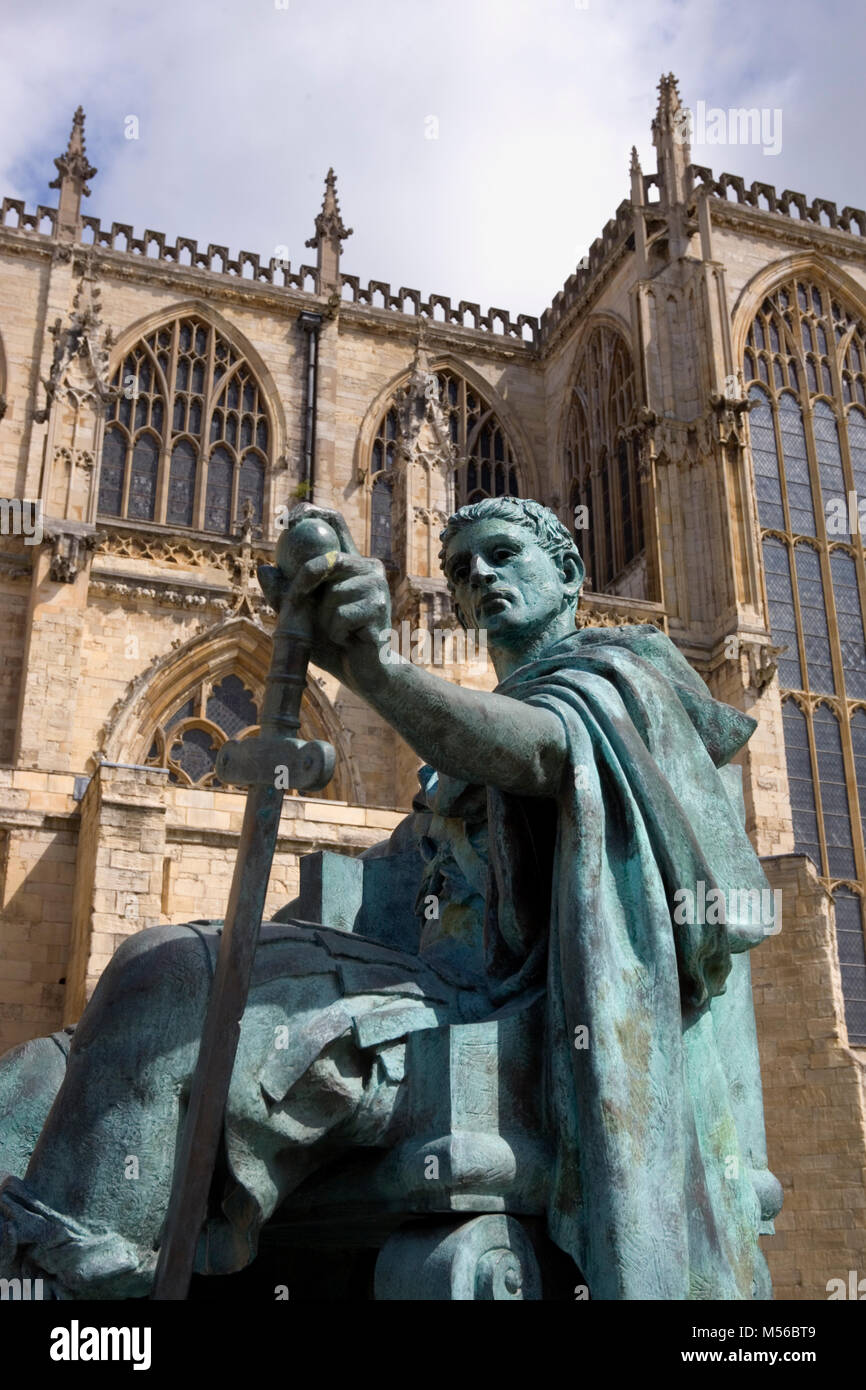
(277, 757)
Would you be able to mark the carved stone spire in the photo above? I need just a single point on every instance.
(636, 174)
(330, 232)
(73, 171)
(671, 134)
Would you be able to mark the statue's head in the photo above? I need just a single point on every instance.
(512, 568)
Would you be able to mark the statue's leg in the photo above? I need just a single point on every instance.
(87, 1216)
(30, 1077)
(97, 1185)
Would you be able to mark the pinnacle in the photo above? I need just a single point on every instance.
(76, 135)
(329, 221)
(330, 202)
(669, 96)
(73, 163)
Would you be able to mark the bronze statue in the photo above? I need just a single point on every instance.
(561, 820)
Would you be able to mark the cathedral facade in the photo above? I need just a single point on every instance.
(692, 405)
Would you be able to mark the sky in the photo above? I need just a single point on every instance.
(480, 145)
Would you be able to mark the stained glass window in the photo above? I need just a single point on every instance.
(834, 794)
(487, 465)
(188, 741)
(188, 435)
(801, 782)
(383, 460)
(852, 962)
(804, 367)
(486, 462)
(813, 619)
(783, 621)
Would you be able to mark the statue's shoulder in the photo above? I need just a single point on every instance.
(641, 638)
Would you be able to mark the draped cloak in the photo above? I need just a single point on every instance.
(652, 1191)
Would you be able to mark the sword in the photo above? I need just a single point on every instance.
(251, 763)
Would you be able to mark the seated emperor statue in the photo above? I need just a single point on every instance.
(579, 798)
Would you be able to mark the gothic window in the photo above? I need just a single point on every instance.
(804, 370)
(188, 742)
(602, 458)
(187, 438)
(383, 458)
(852, 962)
(486, 464)
(801, 781)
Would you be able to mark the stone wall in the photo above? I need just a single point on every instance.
(814, 1091)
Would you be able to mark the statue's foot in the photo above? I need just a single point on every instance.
(71, 1261)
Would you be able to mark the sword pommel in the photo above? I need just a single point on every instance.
(308, 537)
(277, 757)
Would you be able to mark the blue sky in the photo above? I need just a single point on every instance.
(242, 106)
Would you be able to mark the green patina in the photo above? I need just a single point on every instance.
(568, 808)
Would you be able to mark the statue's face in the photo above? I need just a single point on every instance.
(504, 581)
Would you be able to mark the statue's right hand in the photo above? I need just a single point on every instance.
(351, 611)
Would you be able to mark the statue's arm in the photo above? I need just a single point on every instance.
(472, 735)
(469, 734)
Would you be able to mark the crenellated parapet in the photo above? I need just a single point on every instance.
(13, 213)
(604, 253)
(153, 247)
(764, 198)
(377, 294)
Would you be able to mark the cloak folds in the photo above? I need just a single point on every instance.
(652, 1193)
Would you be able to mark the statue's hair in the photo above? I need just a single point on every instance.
(549, 531)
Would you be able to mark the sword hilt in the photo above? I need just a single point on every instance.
(257, 761)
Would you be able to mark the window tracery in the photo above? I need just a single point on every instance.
(189, 740)
(602, 460)
(486, 463)
(187, 436)
(803, 367)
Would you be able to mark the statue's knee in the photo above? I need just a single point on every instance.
(159, 975)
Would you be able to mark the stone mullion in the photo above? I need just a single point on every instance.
(857, 826)
(463, 433)
(405, 481)
(613, 530)
(808, 706)
(208, 395)
(235, 484)
(790, 542)
(127, 467)
(164, 474)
